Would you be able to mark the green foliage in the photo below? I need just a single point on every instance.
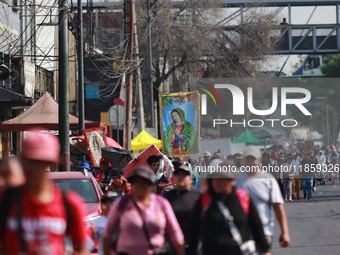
(331, 67)
(296, 65)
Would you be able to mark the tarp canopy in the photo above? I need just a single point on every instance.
(143, 140)
(248, 137)
(43, 114)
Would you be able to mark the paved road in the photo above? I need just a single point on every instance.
(314, 226)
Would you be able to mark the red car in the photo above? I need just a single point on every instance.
(83, 184)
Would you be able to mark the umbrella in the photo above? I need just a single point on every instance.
(118, 158)
(248, 137)
(265, 132)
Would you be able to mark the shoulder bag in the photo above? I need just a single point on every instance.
(247, 247)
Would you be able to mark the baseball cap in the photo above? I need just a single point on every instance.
(85, 165)
(252, 150)
(289, 156)
(141, 171)
(207, 154)
(40, 146)
(182, 169)
(116, 172)
(224, 174)
(308, 153)
(104, 160)
(238, 155)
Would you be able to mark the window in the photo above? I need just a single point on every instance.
(84, 188)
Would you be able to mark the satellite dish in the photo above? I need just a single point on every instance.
(4, 72)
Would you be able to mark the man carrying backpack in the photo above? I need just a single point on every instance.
(36, 217)
(223, 217)
(160, 174)
(183, 198)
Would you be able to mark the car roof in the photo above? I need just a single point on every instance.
(68, 175)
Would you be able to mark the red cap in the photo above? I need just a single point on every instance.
(308, 153)
(41, 146)
(105, 160)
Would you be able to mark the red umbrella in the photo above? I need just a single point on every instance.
(109, 141)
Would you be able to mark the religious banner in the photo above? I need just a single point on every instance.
(180, 123)
(95, 139)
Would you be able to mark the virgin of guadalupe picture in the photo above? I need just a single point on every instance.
(180, 123)
(95, 139)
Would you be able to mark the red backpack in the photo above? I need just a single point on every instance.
(242, 195)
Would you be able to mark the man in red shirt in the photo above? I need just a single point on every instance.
(103, 176)
(37, 218)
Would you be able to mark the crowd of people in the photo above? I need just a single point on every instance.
(168, 206)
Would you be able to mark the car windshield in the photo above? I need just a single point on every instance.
(84, 187)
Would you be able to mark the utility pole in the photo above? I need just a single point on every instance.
(150, 64)
(80, 68)
(63, 88)
(128, 101)
(90, 23)
(140, 109)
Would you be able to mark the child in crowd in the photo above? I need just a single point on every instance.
(99, 224)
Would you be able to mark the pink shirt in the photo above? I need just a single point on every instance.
(132, 239)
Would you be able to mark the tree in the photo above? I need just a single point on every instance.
(331, 69)
(193, 41)
(297, 64)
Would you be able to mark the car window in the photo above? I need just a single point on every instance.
(84, 187)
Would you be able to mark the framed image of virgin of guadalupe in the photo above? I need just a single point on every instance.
(180, 123)
(95, 139)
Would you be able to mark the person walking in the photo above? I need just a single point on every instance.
(296, 184)
(307, 175)
(183, 199)
(288, 178)
(141, 219)
(118, 183)
(36, 217)
(266, 194)
(224, 218)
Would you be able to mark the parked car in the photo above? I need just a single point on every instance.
(87, 187)
(83, 184)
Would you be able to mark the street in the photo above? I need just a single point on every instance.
(314, 226)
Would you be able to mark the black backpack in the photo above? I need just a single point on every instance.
(12, 196)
